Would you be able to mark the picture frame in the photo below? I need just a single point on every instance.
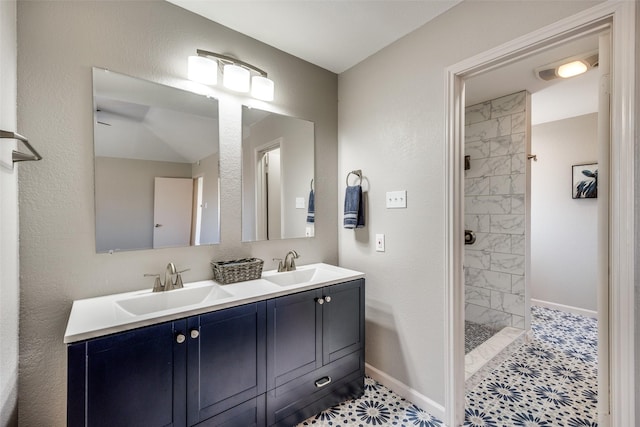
(584, 181)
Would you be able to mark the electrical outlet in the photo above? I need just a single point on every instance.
(379, 242)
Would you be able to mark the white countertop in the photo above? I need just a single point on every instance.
(95, 317)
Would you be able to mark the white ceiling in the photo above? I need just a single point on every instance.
(550, 100)
(338, 34)
(333, 34)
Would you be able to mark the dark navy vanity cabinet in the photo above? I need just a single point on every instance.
(315, 351)
(273, 362)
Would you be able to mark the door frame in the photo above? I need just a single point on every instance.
(620, 15)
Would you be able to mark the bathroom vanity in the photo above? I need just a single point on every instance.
(266, 352)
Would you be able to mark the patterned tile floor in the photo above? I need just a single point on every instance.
(548, 382)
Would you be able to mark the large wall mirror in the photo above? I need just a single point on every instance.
(278, 199)
(156, 165)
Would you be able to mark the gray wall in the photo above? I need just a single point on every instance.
(9, 282)
(395, 133)
(207, 168)
(124, 192)
(497, 136)
(58, 43)
(564, 238)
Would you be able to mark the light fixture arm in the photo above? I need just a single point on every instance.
(229, 59)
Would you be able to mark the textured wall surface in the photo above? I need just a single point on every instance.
(392, 126)
(497, 140)
(58, 43)
(564, 238)
(9, 282)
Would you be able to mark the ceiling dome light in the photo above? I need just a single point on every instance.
(572, 69)
(202, 70)
(262, 88)
(236, 78)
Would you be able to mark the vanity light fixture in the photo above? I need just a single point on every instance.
(568, 67)
(237, 75)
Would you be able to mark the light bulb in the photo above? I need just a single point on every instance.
(571, 69)
(236, 78)
(262, 88)
(202, 70)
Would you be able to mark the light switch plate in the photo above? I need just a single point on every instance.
(379, 242)
(299, 202)
(396, 199)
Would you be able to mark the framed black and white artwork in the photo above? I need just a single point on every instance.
(585, 181)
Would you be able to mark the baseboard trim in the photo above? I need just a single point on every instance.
(405, 391)
(568, 308)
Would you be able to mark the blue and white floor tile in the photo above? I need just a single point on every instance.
(378, 407)
(548, 382)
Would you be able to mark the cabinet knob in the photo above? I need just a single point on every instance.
(327, 298)
(180, 338)
(195, 333)
(320, 301)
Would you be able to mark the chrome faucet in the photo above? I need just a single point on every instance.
(169, 283)
(289, 263)
(168, 276)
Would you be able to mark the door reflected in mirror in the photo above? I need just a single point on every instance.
(156, 165)
(278, 199)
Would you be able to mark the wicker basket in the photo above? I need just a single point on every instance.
(237, 270)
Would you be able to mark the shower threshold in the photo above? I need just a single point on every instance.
(477, 358)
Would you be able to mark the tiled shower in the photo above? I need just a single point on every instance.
(496, 141)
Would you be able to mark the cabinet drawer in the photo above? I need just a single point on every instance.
(247, 414)
(329, 381)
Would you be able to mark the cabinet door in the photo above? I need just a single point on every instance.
(226, 360)
(343, 319)
(294, 336)
(127, 379)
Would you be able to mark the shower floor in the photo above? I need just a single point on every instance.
(475, 334)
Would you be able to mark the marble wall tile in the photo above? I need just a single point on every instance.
(507, 184)
(489, 166)
(507, 263)
(476, 186)
(477, 296)
(504, 145)
(509, 303)
(477, 259)
(517, 321)
(478, 223)
(517, 244)
(517, 285)
(508, 104)
(486, 316)
(488, 129)
(477, 113)
(492, 242)
(517, 204)
(487, 279)
(487, 205)
(518, 164)
(477, 149)
(518, 123)
(507, 224)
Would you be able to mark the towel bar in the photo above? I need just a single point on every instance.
(357, 173)
(17, 156)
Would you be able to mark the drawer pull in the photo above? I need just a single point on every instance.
(323, 381)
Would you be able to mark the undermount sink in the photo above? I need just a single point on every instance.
(290, 278)
(160, 301)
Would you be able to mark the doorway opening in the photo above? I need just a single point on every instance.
(620, 288)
